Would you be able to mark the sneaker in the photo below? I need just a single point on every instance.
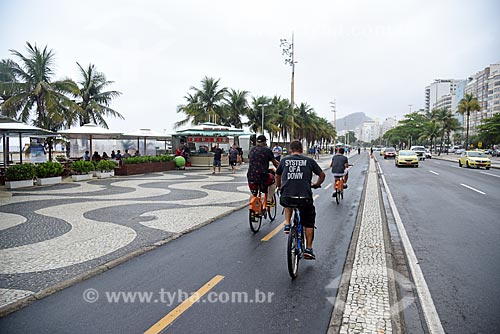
(287, 229)
(309, 254)
(345, 186)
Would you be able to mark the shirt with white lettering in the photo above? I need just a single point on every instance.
(296, 175)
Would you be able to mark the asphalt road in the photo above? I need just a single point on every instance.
(451, 215)
(228, 248)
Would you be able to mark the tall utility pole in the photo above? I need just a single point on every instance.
(263, 105)
(289, 53)
(333, 106)
(410, 105)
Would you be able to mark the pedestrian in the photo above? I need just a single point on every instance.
(217, 158)
(359, 150)
(126, 155)
(233, 158)
(86, 156)
(113, 154)
(277, 151)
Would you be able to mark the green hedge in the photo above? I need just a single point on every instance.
(48, 169)
(20, 172)
(105, 165)
(82, 166)
(146, 159)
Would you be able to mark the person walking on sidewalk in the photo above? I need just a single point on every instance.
(233, 158)
(294, 179)
(217, 158)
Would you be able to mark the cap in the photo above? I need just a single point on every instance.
(261, 139)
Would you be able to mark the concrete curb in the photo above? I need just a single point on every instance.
(19, 304)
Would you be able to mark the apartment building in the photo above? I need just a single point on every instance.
(436, 90)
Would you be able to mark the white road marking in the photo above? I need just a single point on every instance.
(433, 172)
(469, 187)
(438, 163)
(490, 174)
(328, 186)
(429, 309)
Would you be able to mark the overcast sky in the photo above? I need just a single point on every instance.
(371, 56)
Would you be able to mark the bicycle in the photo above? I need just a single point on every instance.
(338, 189)
(261, 207)
(296, 243)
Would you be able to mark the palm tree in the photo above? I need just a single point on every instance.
(33, 90)
(193, 110)
(236, 105)
(448, 124)
(467, 104)
(255, 113)
(94, 101)
(430, 131)
(210, 97)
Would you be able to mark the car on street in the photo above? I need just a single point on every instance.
(459, 150)
(428, 154)
(382, 150)
(420, 151)
(495, 153)
(474, 159)
(390, 152)
(406, 158)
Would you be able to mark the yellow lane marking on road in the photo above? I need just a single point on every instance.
(273, 232)
(175, 313)
(278, 228)
(328, 186)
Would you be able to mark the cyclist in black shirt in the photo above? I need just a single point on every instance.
(294, 179)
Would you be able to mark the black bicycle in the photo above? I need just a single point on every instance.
(296, 243)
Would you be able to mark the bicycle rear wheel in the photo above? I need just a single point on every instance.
(337, 196)
(292, 253)
(255, 221)
(272, 208)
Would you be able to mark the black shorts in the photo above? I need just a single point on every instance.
(306, 207)
(232, 162)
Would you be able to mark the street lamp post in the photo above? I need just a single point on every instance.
(333, 105)
(263, 105)
(289, 53)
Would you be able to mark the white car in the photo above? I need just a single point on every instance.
(420, 150)
(428, 154)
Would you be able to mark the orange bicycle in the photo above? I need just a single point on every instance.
(338, 189)
(261, 207)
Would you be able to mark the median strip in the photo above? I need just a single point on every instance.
(175, 313)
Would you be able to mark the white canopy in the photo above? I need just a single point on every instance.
(10, 127)
(89, 131)
(145, 134)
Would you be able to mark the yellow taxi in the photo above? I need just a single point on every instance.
(474, 159)
(382, 151)
(406, 158)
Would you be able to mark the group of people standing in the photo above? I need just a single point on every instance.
(235, 156)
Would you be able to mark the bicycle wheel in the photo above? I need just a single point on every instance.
(272, 208)
(292, 253)
(255, 221)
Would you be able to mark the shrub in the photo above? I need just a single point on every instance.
(146, 159)
(20, 172)
(82, 166)
(105, 165)
(48, 169)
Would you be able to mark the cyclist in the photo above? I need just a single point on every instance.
(258, 174)
(339, 166)
(293, 178)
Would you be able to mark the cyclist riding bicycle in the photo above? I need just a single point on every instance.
(294, 179)
(258, 174)
(339, 166)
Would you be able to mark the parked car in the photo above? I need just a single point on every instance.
(420, 151)
(474, 159)
(495, 153)
(406, 158)
(390, 152)
(428, 154)
(459, 150)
